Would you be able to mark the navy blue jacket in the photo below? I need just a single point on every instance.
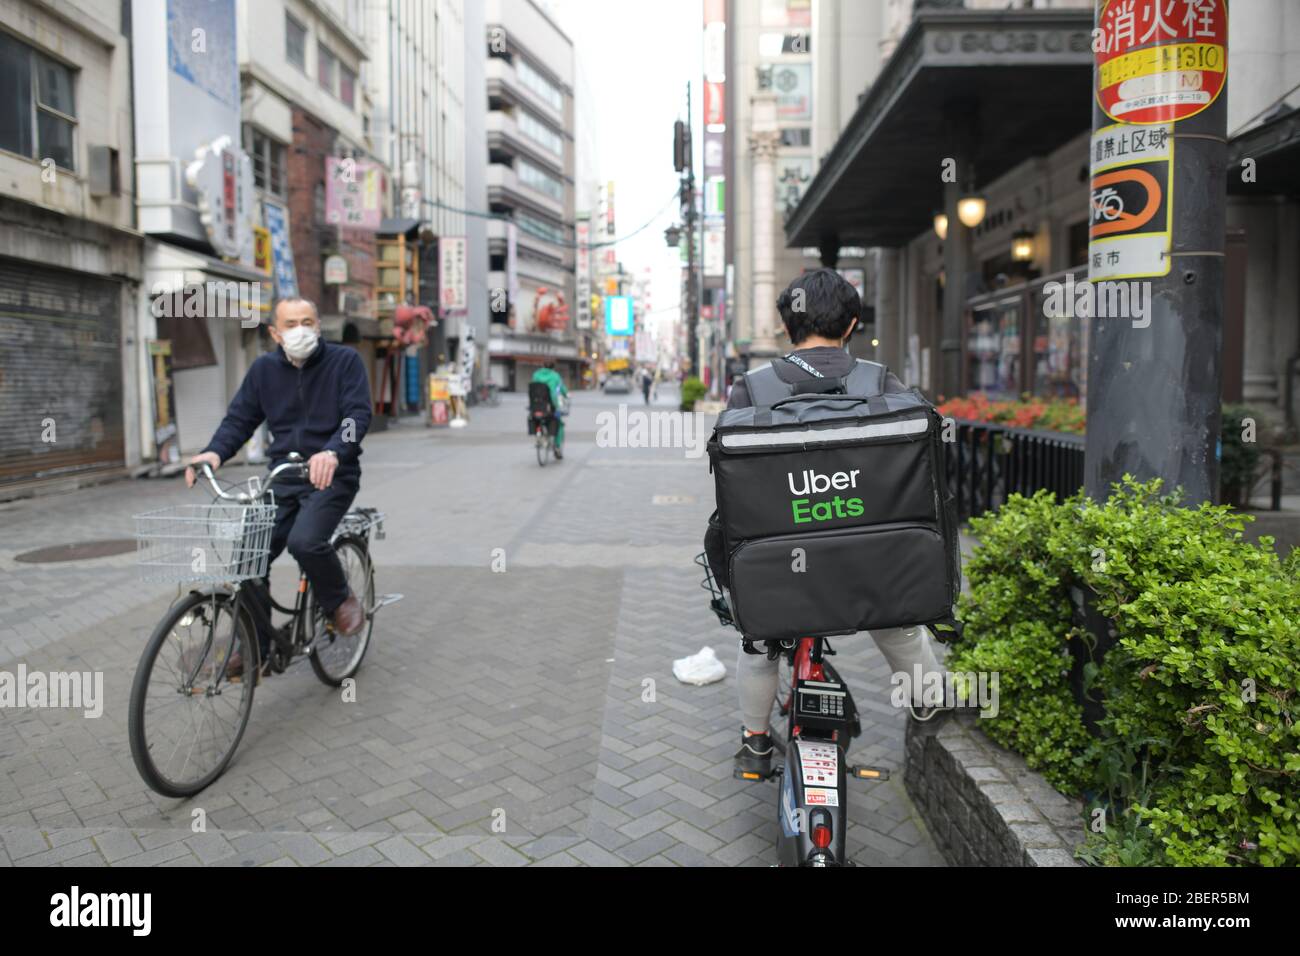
(307, 409)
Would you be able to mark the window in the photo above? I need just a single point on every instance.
(548, 91)
(796, 136)
(295, 42)
(38, 116)
(268, 161)
(540, 180)
(539, 132)
(347, 86)
(318, 203)
(326, 67)
(539, 228)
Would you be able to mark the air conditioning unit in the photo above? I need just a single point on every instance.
(104, 173)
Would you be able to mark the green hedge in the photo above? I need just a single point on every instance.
(1198, 759)
(692, 391)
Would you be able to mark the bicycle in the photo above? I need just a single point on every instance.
(188, 707)
(818, 719)
(488, 393)
(542, 422)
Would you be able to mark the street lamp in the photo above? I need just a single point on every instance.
(941, 225)
(970, 210)
(1022, 246)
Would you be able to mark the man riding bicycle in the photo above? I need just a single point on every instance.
(548, 376)
(315, 398)
(819, 328)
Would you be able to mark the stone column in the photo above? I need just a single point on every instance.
(763, 140)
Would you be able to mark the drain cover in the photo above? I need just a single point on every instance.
(77, 551)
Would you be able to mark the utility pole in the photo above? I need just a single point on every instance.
(684, 163)
(1156, 246)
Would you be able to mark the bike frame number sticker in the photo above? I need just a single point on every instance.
(820, 797)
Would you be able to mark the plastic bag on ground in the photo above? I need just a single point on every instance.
(699, 669)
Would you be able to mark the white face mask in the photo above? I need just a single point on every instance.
(299, 342)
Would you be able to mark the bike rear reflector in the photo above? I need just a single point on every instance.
(821, 837)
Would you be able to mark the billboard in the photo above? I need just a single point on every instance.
(353, 193)
(619, 319)
(453, 281)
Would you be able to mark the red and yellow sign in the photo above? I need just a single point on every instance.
(1160, 61)
(262, 250)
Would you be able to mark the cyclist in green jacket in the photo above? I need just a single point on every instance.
(551, 378)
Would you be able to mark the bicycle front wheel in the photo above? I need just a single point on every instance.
(335, 658)
(189, 706)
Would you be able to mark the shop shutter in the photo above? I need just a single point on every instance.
(201, 398)
(60, 373)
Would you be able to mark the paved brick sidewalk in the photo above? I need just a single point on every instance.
(499, 717)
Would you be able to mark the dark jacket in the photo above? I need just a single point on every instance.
(307, 409)
(831, 362)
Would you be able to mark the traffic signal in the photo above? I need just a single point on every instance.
(681, 146)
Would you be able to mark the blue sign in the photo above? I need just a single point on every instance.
(619, 315)
(286, 277)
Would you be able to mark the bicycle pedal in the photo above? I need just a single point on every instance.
(863, 772)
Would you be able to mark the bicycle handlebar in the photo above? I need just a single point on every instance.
(244, 497)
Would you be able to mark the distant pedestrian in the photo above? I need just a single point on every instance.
(647, 382)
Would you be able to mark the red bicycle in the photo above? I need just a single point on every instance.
(819, 719)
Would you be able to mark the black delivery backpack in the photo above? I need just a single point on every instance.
(834, 509)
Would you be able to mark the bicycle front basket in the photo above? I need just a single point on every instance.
(208, 544)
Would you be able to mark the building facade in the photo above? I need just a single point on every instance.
(1008, 90)
(70, 380)
(531, 193)
(793, 70)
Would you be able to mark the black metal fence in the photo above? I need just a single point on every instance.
(988, 463)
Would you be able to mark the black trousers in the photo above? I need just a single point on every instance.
(304, 520)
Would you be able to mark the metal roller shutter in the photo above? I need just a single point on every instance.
(60, 373)
(201, 393)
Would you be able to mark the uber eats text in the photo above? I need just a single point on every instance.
(805, 510)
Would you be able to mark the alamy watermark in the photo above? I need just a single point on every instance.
(951, 689)
(1106, 299)
(633, 428)
(209, 300)
(75, 689)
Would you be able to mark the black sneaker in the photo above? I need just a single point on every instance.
(754, 758)
(559, 455)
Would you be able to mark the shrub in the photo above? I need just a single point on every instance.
(1198, 758)
(692, 391)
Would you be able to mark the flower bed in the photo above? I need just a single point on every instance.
(1056, 415)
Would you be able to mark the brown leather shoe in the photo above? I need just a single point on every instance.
(349, 617)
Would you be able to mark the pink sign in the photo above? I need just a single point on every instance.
(353, 193)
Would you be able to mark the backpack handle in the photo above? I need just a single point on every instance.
(821, 397)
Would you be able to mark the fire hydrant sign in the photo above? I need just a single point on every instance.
(1160, 61)
(1132, 202)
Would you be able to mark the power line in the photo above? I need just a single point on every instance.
(525, 228)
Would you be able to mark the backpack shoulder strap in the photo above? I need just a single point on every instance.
(866, 378)
(765, 387)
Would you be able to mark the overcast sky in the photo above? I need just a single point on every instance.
(634, 59)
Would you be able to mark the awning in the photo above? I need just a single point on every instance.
(1274, 145)
(1029, 71)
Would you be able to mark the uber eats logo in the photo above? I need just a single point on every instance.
(810, 482)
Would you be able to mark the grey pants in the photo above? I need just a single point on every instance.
(903, 647)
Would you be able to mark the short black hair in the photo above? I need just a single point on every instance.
(828, 304)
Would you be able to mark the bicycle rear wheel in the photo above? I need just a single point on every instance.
(187, 713)
(335, 658)
(543, 442)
